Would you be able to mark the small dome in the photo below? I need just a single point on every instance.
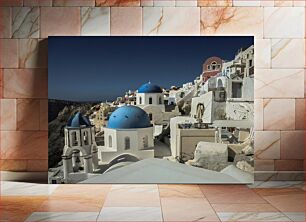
(78, 120)
(149, 88)
(128, 117)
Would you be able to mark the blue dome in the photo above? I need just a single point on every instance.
(149, 88)
(78, 120)
(128, 117)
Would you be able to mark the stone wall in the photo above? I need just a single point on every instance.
(278, 27)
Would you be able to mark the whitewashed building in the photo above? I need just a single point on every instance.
(128, 132)
(80, 153)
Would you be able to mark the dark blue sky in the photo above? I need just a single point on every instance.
(102, 68)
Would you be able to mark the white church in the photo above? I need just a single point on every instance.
(128, 134)
(128, 131)
(150, 98)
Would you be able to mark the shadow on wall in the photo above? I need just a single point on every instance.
(24, 149)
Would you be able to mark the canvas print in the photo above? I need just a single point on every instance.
(151, 109)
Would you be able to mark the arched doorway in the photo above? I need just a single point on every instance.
(200, 111)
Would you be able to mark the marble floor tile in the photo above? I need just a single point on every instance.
(95, 21)
(18, 208)
(37, 2)
(33, 53)
(177, 190)
(68, 3)
(230, 194)
(232, 20)
(52, 16)
(187, 209)
(22, 144)
(130, 214)
(171, 21)
(133, 196)
(186, 3)
(279, 114)
(251, 216)
(119, 3)
(13, 165)
(8, 53)
(43, 114)
(263, 53)
(26, 189)
(6, 3)
(25, 83)
(271, 83)
(8, 114)
(163, 3)
(283, 3)
(5, 22)
(258, 112)
(119, 25)
(210, 3)
(63, 216)
(267, 3)
(282, 49)
(95, 191)
(285, 200)
(299, 3)
(293, 145)
(295, 216)
(71, 204)
(145, 3)
(27, 113)
(237, 3)
(267, 144)
(25, 22)
(263, 207)
(37, 165)
(278, 19)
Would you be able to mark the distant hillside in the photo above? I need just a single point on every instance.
(55, 106)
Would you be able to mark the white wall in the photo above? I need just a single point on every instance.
(145, 98)
(106, 154)
(136, 138)
(173, 131)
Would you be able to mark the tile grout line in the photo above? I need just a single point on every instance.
(209, 202)
(160, 203)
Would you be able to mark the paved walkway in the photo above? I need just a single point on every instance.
(91, 202)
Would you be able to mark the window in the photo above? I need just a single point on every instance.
(145, 141)
(74, 139)
(220, 83)
(150, 116)
(110, 141)
(85, 137)
(213, 65)
(160, 100)
(140, 100)
(200, 111)
(208, 67)
(236, 89)
(250, 63)
(127, 144)
(150, 100)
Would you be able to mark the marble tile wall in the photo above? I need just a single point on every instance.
(277, 25)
